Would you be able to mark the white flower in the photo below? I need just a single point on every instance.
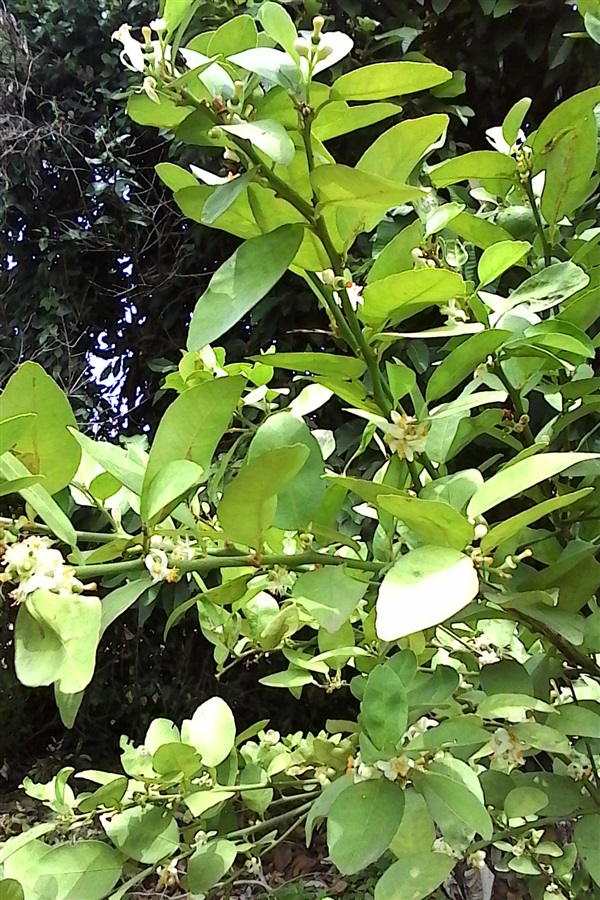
(354, 291)
(507, 750)
(455, 315)
(158, 565)
(253, 866)
(210, 178)
(405, 435)
(420, 727)
(168, 876)
(149, 88)
(271, 737)
(488, 657)
(363, 772)
(33, 565)
(182, 552)
(496, 139)
(477, 859)
(441, 846)
(132, 55)
(580, 766)
(158, 25)
(398, 766)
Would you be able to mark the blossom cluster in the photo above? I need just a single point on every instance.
(33, 564)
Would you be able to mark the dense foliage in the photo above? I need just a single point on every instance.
(433, 558)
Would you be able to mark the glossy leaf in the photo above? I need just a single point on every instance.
(318, 363)
(423, 588)
(391, 79)
(46, 447)
(414, 877)
(431, 521)
(521, 476)
(56, 636)
(337, 118)
(147, 834)
(500, 257)
(330, 595)
(395, 153)
(249, 502)
(14, 429)
(480, 164)
(400, 296)
(168, 488)
(463, 361)
(243, 280)
(193, 425)
(268, 136)
(211, 731)
(277, 23)
(383, 717)
(514, 120)
(299, 501)
(362, 823)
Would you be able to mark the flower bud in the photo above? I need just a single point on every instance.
(302, 48)
(147, 33)
(318, 23)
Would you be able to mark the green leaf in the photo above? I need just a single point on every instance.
(338, 118)
(400, 296)
(587, 841)
(318, 363)
(14, 429)
(395, 153)
(268, 136)
(440, 218)
(463, 361)
(119, 600)
(272, 65)
(234, 36)
(46, 447)
(389, 79)
(278, 25)
(174, 12)
(362, 822)
(383, 715)
(193, 425)
(109, 794)
(160, 731)
(175, 759)
(397, 255)
(40, 500)
(524, 801)
(510, 706)
(541, 737)
(56, 636)
(211, 731)
(223, 197)
(300, 500)
(330, 595)
(175, 177)
(514, 120)
(423, 588)
(320, 808)
(549, 287)
(366, 197)
(414, 877)
(147, 834)
(569, 162)
(168, 488)
(481, 164)
(577, 720)
(208, 864)
(243, 280)
(12, 844)
(249, 503)
(291, 678)
(455, 799)
(480, 232)
(500, 257)
(68, 705)
(11, 890)
(19, 484)
(85, 870)
(508, 528)
(416, 833)
(432, 521)
(115, 460)
(592, 26)
(519, 477)
(166, 114)
(256, 800)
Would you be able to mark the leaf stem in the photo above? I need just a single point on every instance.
(517, 405)
(538, 222)
(208, 564)
(90, 537)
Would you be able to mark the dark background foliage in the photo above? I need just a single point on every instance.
(95, 259)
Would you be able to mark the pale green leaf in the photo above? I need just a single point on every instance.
(423, 588)
(414, 877)
(211, 731)
(480, 164)
(268, 136)
(463, 361)
(395, 153)
(362, 822)
(168, 488)
(519, 477)
(278, 24)
(208, 864)
(147, 834)
(513, 120)
(500, 257)
(389, 79)
(243, 280)
(330, 595)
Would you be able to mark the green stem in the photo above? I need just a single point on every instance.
(517, 404)
(522, 829)
(327, 298)
(538, 222)
(208, 564)
(89, 537)
(271, 823)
